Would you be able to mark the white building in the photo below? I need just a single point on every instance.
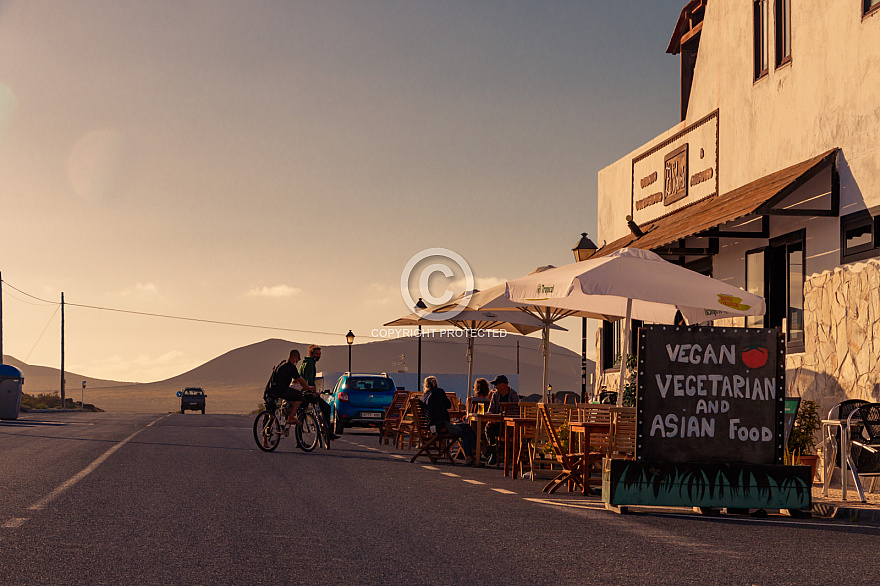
(771, 181)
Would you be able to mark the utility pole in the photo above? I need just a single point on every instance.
(517, 358)
(62, 350)
(1, 318)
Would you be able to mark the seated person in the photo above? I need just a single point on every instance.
(502, 393)
(437, 405)
(481, 396)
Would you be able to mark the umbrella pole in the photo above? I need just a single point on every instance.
(545, 344)
(624, 351)
(470, 357)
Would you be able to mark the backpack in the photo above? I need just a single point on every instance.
(268, 395)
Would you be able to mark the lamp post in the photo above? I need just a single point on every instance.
(349, 337)
(419, 306)
(583, 250)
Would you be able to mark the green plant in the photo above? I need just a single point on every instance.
(802, 440)
(629, 387)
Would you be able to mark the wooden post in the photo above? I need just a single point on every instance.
(62, 351)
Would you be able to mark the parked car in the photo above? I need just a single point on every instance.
(192, 398)
(359, 400)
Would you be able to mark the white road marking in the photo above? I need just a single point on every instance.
(430, 468)
(451, 474)
(472, 481)
(14, 522)
(41, 504)
(584, 505)
(397, 456)
(503, 491)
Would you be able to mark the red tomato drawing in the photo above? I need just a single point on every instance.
(755, 356)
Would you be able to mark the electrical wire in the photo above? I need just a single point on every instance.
(41, 334)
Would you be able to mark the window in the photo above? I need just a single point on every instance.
(857, 231)
(870, 6)
(612, 333)
(762, 49)
(783, 31)
(755, 278)
(785, 287)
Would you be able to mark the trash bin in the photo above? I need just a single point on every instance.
(11, 381)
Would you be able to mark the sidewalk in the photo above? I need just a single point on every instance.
(834, 507)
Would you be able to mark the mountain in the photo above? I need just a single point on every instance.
(234, 381)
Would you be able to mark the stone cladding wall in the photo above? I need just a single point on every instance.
(842, 337)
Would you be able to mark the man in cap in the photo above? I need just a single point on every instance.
(501, 393)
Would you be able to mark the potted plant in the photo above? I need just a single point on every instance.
(801, 448)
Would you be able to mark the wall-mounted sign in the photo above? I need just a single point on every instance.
(676, 173)
(708, 394)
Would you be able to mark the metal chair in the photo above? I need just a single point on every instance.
(865, 451)
(844, 412)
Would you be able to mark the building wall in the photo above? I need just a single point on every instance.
(826, 97)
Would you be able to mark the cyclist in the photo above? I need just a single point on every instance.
(279, 384)
(309, 371)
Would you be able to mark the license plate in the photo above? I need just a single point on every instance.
(373, 415)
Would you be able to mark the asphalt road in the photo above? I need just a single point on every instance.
(170, 499)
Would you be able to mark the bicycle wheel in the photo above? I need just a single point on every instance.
(307, 433)
(267, 431)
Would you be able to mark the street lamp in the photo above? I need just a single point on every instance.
(349, 337)
(583, 250)
(420, 306)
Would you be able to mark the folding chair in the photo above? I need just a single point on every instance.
(553, 417)
(388, 431)
(433, 445)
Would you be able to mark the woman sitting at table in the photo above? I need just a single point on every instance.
(437, 404)
(481, 396)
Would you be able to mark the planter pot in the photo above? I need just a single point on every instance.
(812, 461)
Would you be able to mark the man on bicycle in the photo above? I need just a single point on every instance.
(279, 383)
(309, 371)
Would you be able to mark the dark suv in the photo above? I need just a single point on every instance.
(192, 398)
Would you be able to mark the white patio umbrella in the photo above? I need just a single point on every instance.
(460, 313)
(494, 300)
(634, 283)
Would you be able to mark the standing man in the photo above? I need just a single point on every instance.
(309, 370)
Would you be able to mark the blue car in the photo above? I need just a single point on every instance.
(359, 400)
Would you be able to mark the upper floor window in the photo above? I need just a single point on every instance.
(858, 236)
(870, 6)
(783, 31)
(762, 48)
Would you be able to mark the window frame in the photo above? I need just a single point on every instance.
(761, 41)
(861, 218)
(782, 25)
(784, 242)
(763, 279)
(870, 7)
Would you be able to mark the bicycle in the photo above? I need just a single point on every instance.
(310, 429)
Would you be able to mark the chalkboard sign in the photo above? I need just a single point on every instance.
(708, 394)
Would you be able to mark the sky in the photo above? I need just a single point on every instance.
(278, 163)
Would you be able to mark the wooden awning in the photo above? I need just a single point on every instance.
(757, 198)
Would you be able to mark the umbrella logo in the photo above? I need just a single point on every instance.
(545, 289)
(447, 258)
(732, 302)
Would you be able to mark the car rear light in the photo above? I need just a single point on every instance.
(343, 396)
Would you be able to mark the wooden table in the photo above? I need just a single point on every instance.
(584, 430)
(478, 421)
(515, 425)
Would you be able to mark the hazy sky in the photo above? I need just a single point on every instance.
(278, 163)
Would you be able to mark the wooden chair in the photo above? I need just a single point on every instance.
(553, 416)
(522, 451)
(388, 430)
(456, 411)
(600, 441)
(433, 445)
(623, 440)
(541, 439)
(406, 424)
